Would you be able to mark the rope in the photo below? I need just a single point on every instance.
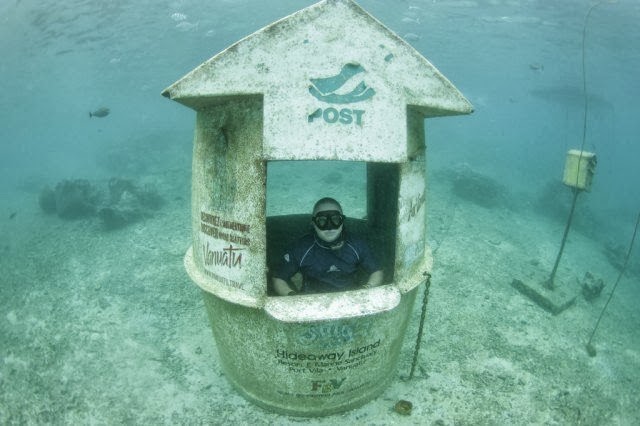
(590, 347)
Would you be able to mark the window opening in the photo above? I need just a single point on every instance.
(368, 193)
(294, 186)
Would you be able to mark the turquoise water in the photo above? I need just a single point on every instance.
(104, 326)
(519, 63)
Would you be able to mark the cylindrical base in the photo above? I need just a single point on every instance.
(308, 368)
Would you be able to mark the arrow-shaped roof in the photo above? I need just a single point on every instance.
(328, 72)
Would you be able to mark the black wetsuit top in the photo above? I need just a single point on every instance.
(325, 269)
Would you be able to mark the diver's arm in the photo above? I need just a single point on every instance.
(375, 279)
(281, 287)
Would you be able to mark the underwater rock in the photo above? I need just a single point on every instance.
(591, 286)
(128, 203)
(118, 187)
(125, 202)
(403, 407)
(126, 212)
(47, 200)
(76, 199)
(147, 196)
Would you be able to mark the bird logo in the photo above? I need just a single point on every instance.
(332, 89)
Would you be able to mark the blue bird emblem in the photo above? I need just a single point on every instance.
(324, 89)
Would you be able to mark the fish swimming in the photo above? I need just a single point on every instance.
(100, 112)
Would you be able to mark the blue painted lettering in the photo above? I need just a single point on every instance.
(315, 114)
(332, 115)
(345, 116)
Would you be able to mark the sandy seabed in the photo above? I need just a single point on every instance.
(104, 327)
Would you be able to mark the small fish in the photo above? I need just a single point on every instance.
(12, 215)
(410, 20)
(536, 66)
(186, 26)
(100, 112)
(179, 17)
(411, 37)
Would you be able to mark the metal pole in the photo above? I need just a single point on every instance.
(550, 282)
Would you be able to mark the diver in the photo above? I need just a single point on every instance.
(329, 259)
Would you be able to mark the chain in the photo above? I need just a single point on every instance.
(423, 315)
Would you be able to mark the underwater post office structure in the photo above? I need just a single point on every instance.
(328, 82)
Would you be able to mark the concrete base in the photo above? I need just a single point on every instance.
(289, 363)
(554, 300)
